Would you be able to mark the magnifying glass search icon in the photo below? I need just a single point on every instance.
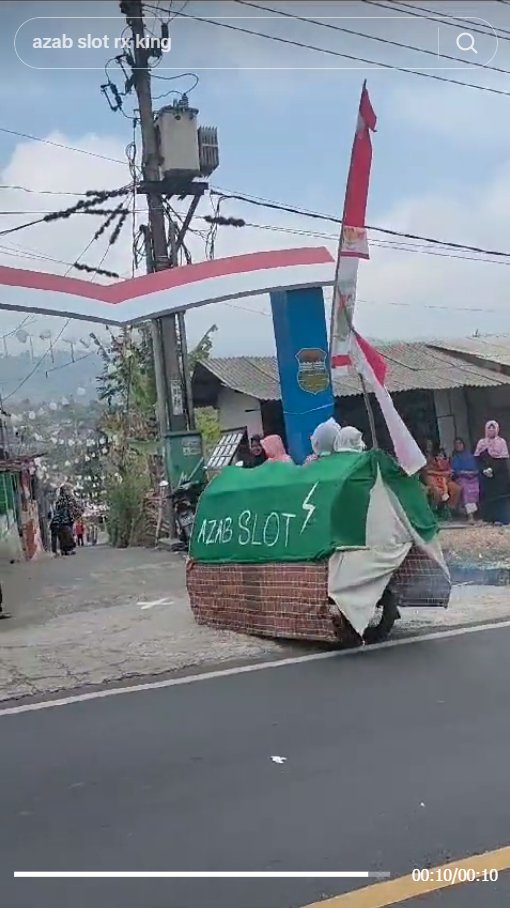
(471, 44)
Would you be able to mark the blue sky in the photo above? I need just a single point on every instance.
(441, 159)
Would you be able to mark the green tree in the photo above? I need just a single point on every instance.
(127, 386)
(202, 351)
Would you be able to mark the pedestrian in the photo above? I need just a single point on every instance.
(324, 440)
(257, 455)
(493, 460)
(79, 531)
(92, 532)
(54, 534)
(350, 439)
(274, 450)
(465, 473)
(65, 513)
(438, 470)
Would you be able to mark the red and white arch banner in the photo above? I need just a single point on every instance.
(155, 295)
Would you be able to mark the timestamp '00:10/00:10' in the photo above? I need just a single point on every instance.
(454, 875)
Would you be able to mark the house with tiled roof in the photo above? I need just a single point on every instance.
(442, 389)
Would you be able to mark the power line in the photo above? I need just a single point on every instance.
(31, 255)
(475, 26)
(15, 213)
(363, 302)
(18, 328)
(93, 198)
(41, 191)
(350, 31)
(417, 249)
(38, 363)
(112, 239)
(299, 211)
(501, 33)
(72, 362)
(21, 227)
(279, 206)
(334, 53)
(92, 154)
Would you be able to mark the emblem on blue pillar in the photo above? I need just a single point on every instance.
(313, 373)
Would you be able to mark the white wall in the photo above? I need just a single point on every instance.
(10, 542)
(452, 417)
(236, 410)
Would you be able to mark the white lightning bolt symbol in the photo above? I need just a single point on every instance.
(308, 507)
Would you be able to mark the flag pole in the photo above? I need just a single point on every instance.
(364, 389)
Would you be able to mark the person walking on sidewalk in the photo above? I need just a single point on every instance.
(54, 534)
(79, 531)
(66, 513)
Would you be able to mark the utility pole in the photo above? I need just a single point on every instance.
(171, 410)
(2, 431)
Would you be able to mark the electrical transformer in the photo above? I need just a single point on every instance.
(186, 150)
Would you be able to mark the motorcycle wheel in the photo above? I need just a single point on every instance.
(385, 616)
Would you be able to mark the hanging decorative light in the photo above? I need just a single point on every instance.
(71, 342)
(46, 336)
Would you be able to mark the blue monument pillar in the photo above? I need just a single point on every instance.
(303, 363)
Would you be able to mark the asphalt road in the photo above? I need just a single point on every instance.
(396, 759)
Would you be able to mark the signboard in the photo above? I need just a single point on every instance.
(303, 365)
(184, 458)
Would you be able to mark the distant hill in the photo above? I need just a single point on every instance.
(50, 380)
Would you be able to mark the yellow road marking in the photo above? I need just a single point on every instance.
(393, 892)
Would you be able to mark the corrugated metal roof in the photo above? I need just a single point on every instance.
(411, 366)
(493, 349)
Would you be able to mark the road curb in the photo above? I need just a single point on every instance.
(480, 574)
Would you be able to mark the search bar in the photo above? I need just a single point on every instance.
(405, 42)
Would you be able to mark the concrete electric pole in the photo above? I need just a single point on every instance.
(169, 380)
(176, 154)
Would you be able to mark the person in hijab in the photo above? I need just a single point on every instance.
(465, 474)
(324, 440)
(256, 456)
(350, 439)
(493, 460)
(438, 477)
(64, 515)
(274, 450)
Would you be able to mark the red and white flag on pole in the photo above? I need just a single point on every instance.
(348, 348)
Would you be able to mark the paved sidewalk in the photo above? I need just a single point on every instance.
(81, 620)
(109, 614)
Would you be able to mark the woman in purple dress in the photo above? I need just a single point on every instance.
(465, 474)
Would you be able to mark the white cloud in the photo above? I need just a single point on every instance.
(446, 114)
(398, 290)
(54, 246)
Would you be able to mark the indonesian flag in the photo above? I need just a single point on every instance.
(348, 348)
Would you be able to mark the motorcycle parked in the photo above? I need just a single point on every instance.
(184, 504)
